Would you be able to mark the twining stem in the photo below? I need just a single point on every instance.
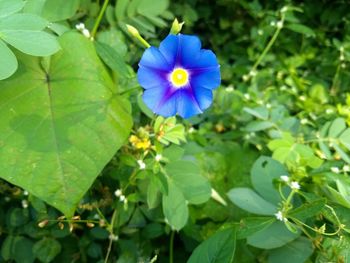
(99, 18)
(171, 247)
(269, 45)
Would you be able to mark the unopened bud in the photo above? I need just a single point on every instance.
(176, 27)
(132, 30)
(43, 223)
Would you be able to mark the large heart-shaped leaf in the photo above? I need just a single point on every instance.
(60, 124)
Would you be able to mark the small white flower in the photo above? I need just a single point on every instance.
(341, 49)
(284, 9)
(113, 237)
(284, 178)
(341, 57)
(295, 185)
(86, 33)
(158, 157)
(142, 165)
(25, 204)
(118, 192)
(260, 32)
(280, 216)
(25, 192)
(122, 198)
(284, 87)
(273, 23)
(245, 78)
(279, 24)
(329, 111)
(80, 26)
(343, 65)
(304, 121)
(302, 98)
(268, 106)
(346, 168)
(191, 130)
(252, 73)
(335, 170)
(246, 96)
(229, 89)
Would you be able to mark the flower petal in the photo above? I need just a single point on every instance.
(207, 78)
(186, 104)
(152, 58)
(205, 59)
(169, 47)
(160, 101)
(189, 50)
(150, 78)
(204, 97)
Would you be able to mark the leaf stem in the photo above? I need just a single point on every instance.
(171, 247)
(99, 18)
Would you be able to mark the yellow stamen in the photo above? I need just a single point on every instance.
(179, 77)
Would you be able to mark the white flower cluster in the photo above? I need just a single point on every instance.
(142, 165)
(336, 170)
(294, 185)
(83, 30)
(122, 198)
(279, 215)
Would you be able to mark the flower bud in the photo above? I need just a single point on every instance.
(176, 27)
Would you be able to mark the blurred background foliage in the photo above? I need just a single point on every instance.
(283, 109)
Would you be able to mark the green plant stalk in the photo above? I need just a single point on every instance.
(99, 18)
(171, 247)
(110, 229)
(268, 46)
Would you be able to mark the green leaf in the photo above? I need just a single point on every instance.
(23, 22)
(35, 43)
(264, 171)
(251, 225)
(17, 248)
(142, 14)
(10, 7)
(46, 249)
(23, 250)
(120, 9)
(341, 152)
(186, 176)
(152, 7)
(301, 29)
(274, 236)
(9, 63)
(55, 10)
(337, 127)
(308, 209)
(250, 201)
(64, 124)
(111, 58)
(115, 39)
(297, 251)
(258, 126)
(175, 207)
(325, 149)
(344, 138)
(173, 152)
(219, 248)
(153, 192)
(259, 112)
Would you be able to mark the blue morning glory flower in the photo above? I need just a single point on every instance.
(179, 76)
